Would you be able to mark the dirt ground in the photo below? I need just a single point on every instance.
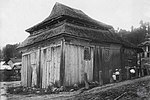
(114, 91)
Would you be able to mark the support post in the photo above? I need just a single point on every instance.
(62, 63)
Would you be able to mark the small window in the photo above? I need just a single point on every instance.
(87, 53)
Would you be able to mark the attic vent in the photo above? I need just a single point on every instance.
(87, 53)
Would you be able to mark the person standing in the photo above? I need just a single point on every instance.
(132, 73)
(114, 77)
(117, 73)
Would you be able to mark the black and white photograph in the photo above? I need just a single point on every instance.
(74, 49)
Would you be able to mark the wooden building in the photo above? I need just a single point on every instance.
(144, 57)
(68, 44)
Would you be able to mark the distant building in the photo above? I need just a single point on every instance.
(3, 66)
(145, 55)
(14, 62)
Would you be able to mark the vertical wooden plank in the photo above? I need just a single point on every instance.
(47, 74)
(43, 68)
(22, 70)
(91, 66)
(78, 67)
(55, 64)
(83, 64)
(67, 64)
(71, 65)
(128, 76)
(25, 71)
(40, 68)
(75, 65)
(62, 64)
(110, 75)
(95, 64)
(80, 64)
(45, 63)
(28, 71)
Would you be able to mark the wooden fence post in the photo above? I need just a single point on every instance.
(100, 78)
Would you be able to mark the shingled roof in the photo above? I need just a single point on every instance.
(61, 10)
(102, 33)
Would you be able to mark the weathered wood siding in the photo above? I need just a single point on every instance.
(50, 64)
(30, 68)
(111, 60)
(75, 65)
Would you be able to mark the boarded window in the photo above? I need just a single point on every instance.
(87, 53)
(107, 54)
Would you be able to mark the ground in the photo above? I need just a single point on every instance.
(136, 89)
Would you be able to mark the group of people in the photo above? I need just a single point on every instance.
(116, 74)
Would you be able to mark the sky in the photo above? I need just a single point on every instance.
(18, 15)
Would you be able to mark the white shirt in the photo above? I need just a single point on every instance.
(132, 71)
(117, 73)
(114, 77)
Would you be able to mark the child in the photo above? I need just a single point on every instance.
(117, 73)
(132, 71)
(114, 77)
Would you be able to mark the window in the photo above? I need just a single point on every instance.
(87, 53)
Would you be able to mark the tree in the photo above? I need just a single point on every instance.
(136, 35)
(10, 51)
(0, 54)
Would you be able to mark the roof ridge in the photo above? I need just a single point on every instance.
(61, 9)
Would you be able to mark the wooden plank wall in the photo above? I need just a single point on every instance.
(75, 65)
(50, 64)
(97, 63)
(110, 61)
(29, 70)
(23, 75)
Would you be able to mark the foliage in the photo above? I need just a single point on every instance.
(0, 54)
(136, 35)
(10, 51)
